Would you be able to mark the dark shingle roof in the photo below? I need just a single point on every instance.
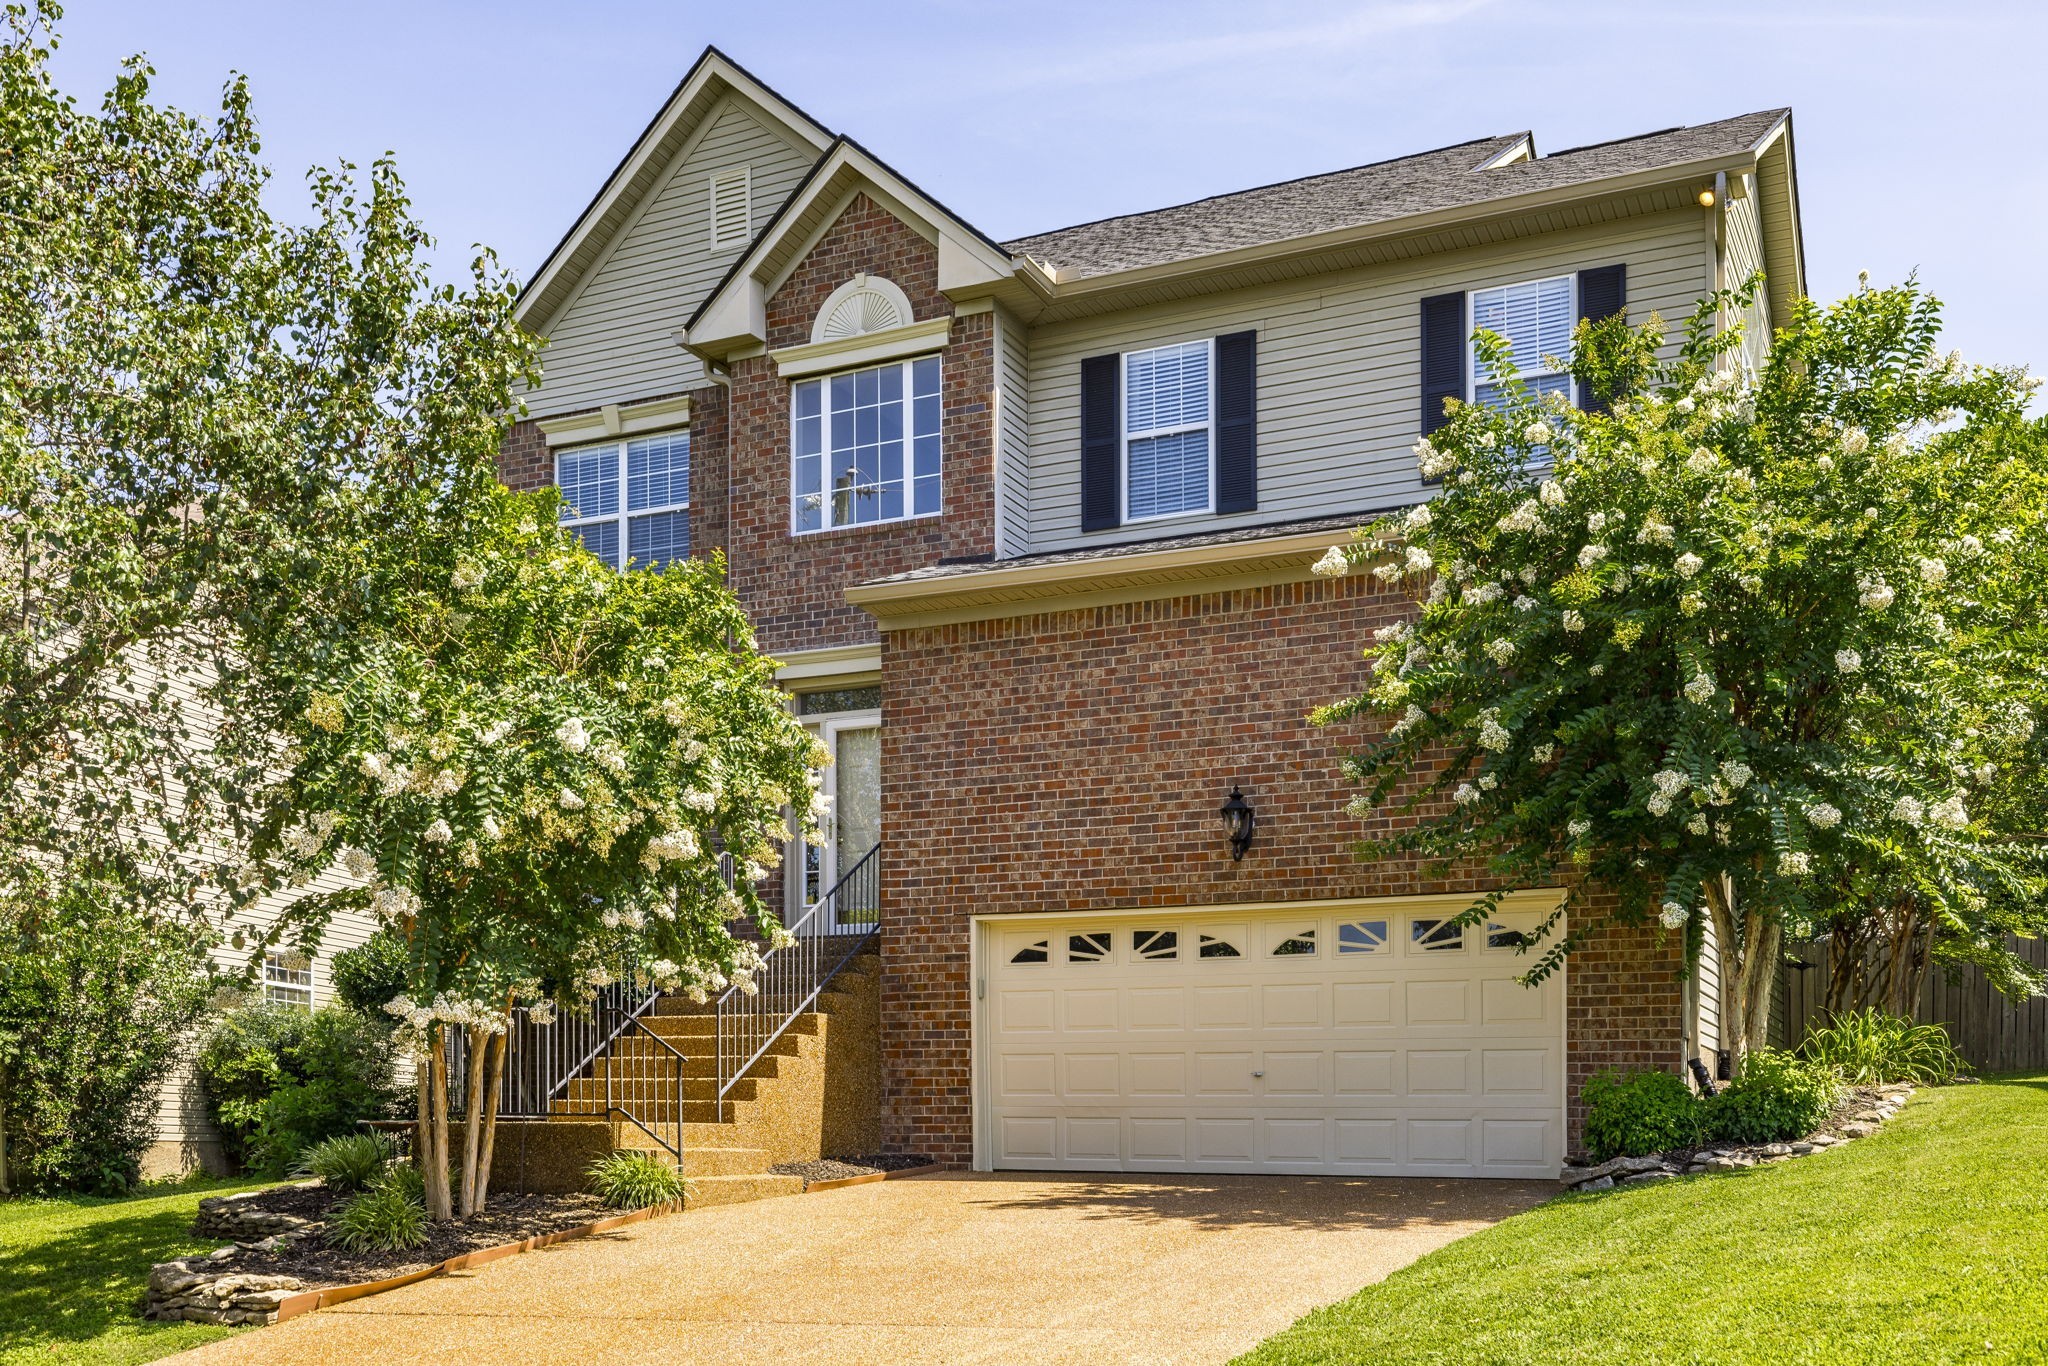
(1447, 178)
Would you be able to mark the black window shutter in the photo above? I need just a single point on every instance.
(1603, 292)
(1443, 356)
(1102, 476)
(1237, 422)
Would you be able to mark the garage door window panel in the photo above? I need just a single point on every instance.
(1155, 946)
(1031, 953)
(1089, 948)
(1437, 936)
(1221, 942)
(1362, 936)
(1293, 942)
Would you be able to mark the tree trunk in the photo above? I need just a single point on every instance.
(494, 1073)
(433, 1144)
(477, 1043)
(1750, 941)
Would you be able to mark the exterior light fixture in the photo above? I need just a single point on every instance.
(1706, 197)
(1238, 821)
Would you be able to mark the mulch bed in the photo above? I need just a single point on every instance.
(507, 1218)
(839, 1168)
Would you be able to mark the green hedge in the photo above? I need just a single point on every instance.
(278, 1080)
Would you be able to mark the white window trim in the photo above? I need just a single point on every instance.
(284, 985)
(1473, 378)
(624, 514)
(1124, 440)
(825, 451)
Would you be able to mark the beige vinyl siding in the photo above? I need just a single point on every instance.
(1742, 255)
(1013, 437)
(611, 342)
(1338, 368)
(1706, 986)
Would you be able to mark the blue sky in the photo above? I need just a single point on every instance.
(1919, 124)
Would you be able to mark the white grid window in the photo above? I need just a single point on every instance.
(1536, 319)
(865, 446)
(1167, 430)
(732, 209)
(288, 980)
(650, 523)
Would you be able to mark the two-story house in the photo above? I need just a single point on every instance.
(1028, 525)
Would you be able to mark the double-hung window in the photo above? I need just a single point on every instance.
(1536, 319)
(288, 980)
(865, 446)
(1169, 420)
(629, 497)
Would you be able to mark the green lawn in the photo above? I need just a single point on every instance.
(72, 1271)
(1927, 1242)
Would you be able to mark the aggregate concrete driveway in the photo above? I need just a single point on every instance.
(952, 1268)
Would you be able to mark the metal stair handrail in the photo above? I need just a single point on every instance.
(789, 981)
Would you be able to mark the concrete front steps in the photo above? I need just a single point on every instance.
(780, 1111)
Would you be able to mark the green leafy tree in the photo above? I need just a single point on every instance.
(533, 765)
(1739, 649)
(204, 413)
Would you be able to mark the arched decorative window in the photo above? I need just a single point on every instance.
(864, 304)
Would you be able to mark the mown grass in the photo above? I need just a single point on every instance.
(1927, 1242)
(72, 1271)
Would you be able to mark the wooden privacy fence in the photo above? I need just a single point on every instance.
(1987, 1029)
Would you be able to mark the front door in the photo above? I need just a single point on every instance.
(852, 825)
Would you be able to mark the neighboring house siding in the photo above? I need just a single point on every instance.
(1742, 256)
(1338, 368)
(1013, 436)
(1086, 775)
(611, 342)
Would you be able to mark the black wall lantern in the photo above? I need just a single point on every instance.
(1238, 820)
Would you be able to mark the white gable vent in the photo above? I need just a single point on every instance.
(732, 207)
(866, 303)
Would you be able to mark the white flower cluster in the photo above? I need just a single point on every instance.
(496, 732)
(1873, 593)
(309, 839)
(1500, 650)
(1655, 531)
(1542, 753)
(1673, 915)
(1433, 463)
(1949, 813)
(358, 863)
(697, 799)
(1387, 635)
(1333, 565)
(394, 903)
(438, 833)
(1691, 604)
(1749, 583)
(1932, 571)
(391, 779)
(1855, 441)
(668, 845)
(1736, 774)
(1795, 864)
(572, 736)
(1480, 594)
(1538, 433)
(1408, 720)
(1578, 829)
(466, 576)
(1908, 811)
(1527, 516)
(1417, 518)
(1823, 816)
(1574, 621)
(1848, 661)
(569, 799)
(1700, 689)
(1465, 795)
(1492, 734)
(1525, 603)
(1418, 560)
(1591, 555)
(1551, 492)
(1688, 565)
(1701, 460)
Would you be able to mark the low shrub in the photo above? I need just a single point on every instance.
(1779, 1096)
(634, 1180)
(1869, 1047)
(278, 1079)
(1640, 1113)
(408, 1178)
(347, 1162)
(385, 1217)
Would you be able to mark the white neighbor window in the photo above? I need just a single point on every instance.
(1536, 318)
(651, 522)
(1168, 437)
(732, 209)
(865, 446)
(287, 980)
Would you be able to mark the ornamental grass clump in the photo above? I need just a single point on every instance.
(635, 1180)
(388, 1216)
(347, 1162)
(1747, 644)
(1870, 1047)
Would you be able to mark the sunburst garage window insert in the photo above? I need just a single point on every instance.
(629, 497)
(1535, 318)
(866, 446)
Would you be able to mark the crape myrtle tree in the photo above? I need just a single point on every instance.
(199, 403)
(1750, 649)
(531, 764)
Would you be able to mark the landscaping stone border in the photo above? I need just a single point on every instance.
(1859, 1119)
(205, 1290)
(840, 1182)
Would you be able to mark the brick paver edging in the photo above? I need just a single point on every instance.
(342, 1294)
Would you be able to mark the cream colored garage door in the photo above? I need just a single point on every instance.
(1369, 1039)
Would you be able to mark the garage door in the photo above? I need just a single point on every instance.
(1375, 1039)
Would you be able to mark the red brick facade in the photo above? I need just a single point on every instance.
(793, 586)
(1086, 773)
